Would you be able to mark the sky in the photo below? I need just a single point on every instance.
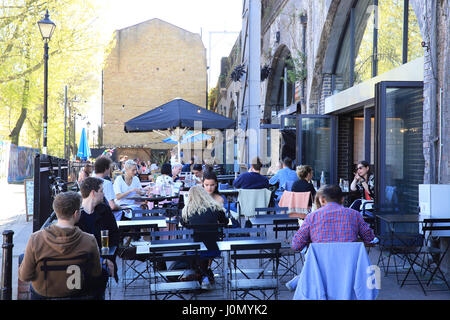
(205, 17)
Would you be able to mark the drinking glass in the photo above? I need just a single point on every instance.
(105, 240)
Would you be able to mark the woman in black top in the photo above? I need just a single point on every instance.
(202, 209)
(305, 174)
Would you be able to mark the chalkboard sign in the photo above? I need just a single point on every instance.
(29, 196)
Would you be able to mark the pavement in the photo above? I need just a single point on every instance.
(13, 217)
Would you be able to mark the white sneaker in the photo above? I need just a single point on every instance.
(205, 283)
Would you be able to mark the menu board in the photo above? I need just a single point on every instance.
(29, 196)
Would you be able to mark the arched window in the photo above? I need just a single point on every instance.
(381, 35)
(275, 96)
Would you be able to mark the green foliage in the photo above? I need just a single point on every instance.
(213, 97)
(76, 53)
(390, 39)
(297, 70)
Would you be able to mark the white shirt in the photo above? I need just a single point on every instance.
(108, 189)
(120, 186)
(163, 179)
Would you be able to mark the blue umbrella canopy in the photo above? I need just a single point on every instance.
(178, 113)
(188, 137)
(84, 151)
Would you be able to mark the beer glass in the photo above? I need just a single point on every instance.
(105, 240)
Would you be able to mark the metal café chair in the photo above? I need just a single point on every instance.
(284, 230)
(163, 285)
(242, 282)
(427, 257)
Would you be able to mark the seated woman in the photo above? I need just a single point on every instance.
(364, 182)
(305, 174)
(166, 175)
(199, 210)
(85, 172)
(127, 185)
(210, 183)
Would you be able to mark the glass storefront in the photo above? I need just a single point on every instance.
(400, 149)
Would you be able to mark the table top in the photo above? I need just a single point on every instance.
(402, 218)
(229, 191)
(144, 247)
(160, 223)
(108, 253)
(153, 198)
(265, 219)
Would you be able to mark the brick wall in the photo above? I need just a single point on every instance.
(151, 64)
(345, 148)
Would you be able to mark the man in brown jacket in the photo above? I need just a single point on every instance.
(61, 240)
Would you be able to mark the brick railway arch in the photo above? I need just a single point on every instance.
(274, 92)
(330, 51)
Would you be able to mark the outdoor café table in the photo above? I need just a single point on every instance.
(395, 238)
(143, 248)
(159, 222)
(153, 198)
(268, 219)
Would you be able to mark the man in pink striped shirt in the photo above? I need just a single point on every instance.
(332, 222)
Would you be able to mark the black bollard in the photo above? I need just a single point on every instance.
(6, 284)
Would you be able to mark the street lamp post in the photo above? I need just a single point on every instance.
(88, 125)
(46, 27)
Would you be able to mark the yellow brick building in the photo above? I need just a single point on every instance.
(151, 63)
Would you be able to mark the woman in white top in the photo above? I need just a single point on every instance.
(127, 185)
(166, 175)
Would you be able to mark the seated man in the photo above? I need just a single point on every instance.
(96, 216)
(284, 176)
(62, 240)
(252, 179)
(187, 166)
(332, 222)
(176, 169)
(102, 170)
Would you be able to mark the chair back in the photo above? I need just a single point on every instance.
(208, 233)
(297, 202)
(244, 234)
(75, 270)
(436, 227)
(250, 199)
(172, 236)
(337, 271)
(288, 226)
(269, 210)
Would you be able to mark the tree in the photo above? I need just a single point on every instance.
(76, 52)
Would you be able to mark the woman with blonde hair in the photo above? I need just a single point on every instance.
(305, 174)
(204, 214)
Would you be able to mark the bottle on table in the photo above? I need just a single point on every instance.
(322, 179)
